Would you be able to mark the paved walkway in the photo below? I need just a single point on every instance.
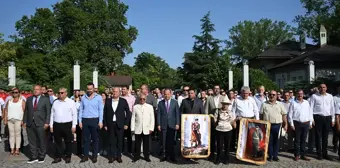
(286, 160)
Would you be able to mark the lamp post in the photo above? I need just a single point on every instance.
(231, 79)
(76, 75)
(245, 73)
(11, 74)
(95, 77)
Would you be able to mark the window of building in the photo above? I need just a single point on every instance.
(323, 35)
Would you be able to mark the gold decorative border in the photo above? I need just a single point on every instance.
(182, 135)
(246, 121)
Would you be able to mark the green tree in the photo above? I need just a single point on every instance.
(95, 32)
(201, 67)
(250, 38)
(155, 70)
(321, 12)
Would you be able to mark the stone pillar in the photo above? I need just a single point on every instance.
(11, 74)
(231, 79)
(76, 75)
(95, 77)
(311, 71)
(245, 73)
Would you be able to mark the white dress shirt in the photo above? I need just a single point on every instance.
(63, 112)
(142, 120)
(245, 108)
(337, 104)
(323, 105)
(114, 107)
(300, 112)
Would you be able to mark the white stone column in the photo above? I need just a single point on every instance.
(311, 70)
(231, 79)
(11, 74)
(95, 77)
(76, 75)
(245, 73)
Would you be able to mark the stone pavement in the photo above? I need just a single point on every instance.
(286, 160)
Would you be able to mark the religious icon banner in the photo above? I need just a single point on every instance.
(195, 136)
(253, 140)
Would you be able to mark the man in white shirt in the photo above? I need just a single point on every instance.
(63, 124)
(183, 96)
(243, 107)
(300, 117)
(286, 103)
(260, 97)
(142, 124)
(322, 105)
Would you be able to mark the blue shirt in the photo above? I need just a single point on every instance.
(91, 108)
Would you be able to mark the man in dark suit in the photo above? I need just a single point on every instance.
(117, 117)
(192, 105)
(168, 120)
(36, 120)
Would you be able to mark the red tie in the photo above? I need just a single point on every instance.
(35, 103)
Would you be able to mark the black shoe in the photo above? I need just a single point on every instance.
(56, 160)
(173, 160)
(327, 157)
(226, 162)
(135, 160)
(111, 159)
(217, 161)
(84, 159)
(269, 159)
(163, 159)
(94, 159)
(32, 161)
(211, 158)
(276, 159)
(335, 149)
(119, 159)
(147, 160)
(68, 160)
(42, 160)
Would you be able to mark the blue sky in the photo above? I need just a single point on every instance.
(166, 27)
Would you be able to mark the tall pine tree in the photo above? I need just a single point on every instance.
(201, 67)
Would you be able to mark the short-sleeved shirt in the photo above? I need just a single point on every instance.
(2, 105)
(273, 112)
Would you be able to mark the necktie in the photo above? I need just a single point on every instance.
(167, 106)
(35, 103)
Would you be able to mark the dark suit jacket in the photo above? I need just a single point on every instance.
(171, 118)
(197, 108)
(123, 114)
(41, 115)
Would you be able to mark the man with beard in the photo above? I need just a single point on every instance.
(90, 118)
(192, 105)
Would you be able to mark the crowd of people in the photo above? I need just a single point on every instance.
(104, 120)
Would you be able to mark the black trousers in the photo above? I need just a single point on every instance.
(128, 135)
(212, 139)
(63, 131)
(335, 139)
(103, 141)
(301, 130)
(311, 139)
(37, 141)
(322, 127)
(138, 142)
(223, 139)
(79, 140)
(167, 142)
(116, 140)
